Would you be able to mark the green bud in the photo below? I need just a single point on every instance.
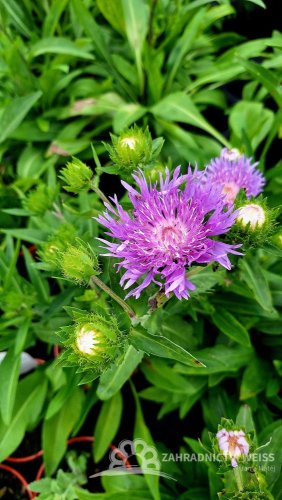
(92, 343)
(40, 200)
(79, 262)
(50, 252)
(133, 148)
(76, 175)
(277, 239)
(153, 173)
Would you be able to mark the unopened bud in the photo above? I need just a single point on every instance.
(76, 175)
(79, 262)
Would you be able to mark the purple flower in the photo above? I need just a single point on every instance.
(233, 444)
(233, 172)
(167, 231)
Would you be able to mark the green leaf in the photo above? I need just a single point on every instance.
(15, 112)
(266, 78)
(17, 16)
(251, 119)
(107, 425)
(31, 392)
(40, 284)
(161, 346)
(90, 400)
(184, 43)
(31, 163)
(31, 235)
(260, 3)
(219, 359)
(58, 45)
(21, 337)
(253, 275)
(245, 418)
(63, 394)
(112, 11)
(126, 115)
(57, 429)
(136, 17)
(254, 379)
(112, 380)
(53, 16)
(93, 30)
(142, 432)
(9, 374)
(178, 107)
(231, 327)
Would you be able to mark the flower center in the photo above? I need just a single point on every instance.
(86, 341)
(129, 142)
(251, 214)
(230, 189)
(170, 235)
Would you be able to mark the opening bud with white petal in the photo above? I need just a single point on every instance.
(252, 214)
(133, 149)
(92, 343)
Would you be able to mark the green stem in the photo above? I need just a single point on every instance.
(100, 193)
(109, 291)
(238, 478)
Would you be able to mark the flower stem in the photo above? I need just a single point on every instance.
(238, 478)
(96, 281)
(98, 191)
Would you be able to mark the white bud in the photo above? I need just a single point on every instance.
(86, 341)
(130, 142)
(231, 154)
(252, 214)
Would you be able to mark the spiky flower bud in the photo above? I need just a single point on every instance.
(254, 223)
(76, 175)
(79, 262)
(40, 200)
(50, 252)
(92, 343)
(133, 148)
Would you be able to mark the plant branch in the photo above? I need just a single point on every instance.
(96, 281)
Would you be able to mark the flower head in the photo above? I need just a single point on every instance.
(233, 172)
(233, 444)
(168, 230)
